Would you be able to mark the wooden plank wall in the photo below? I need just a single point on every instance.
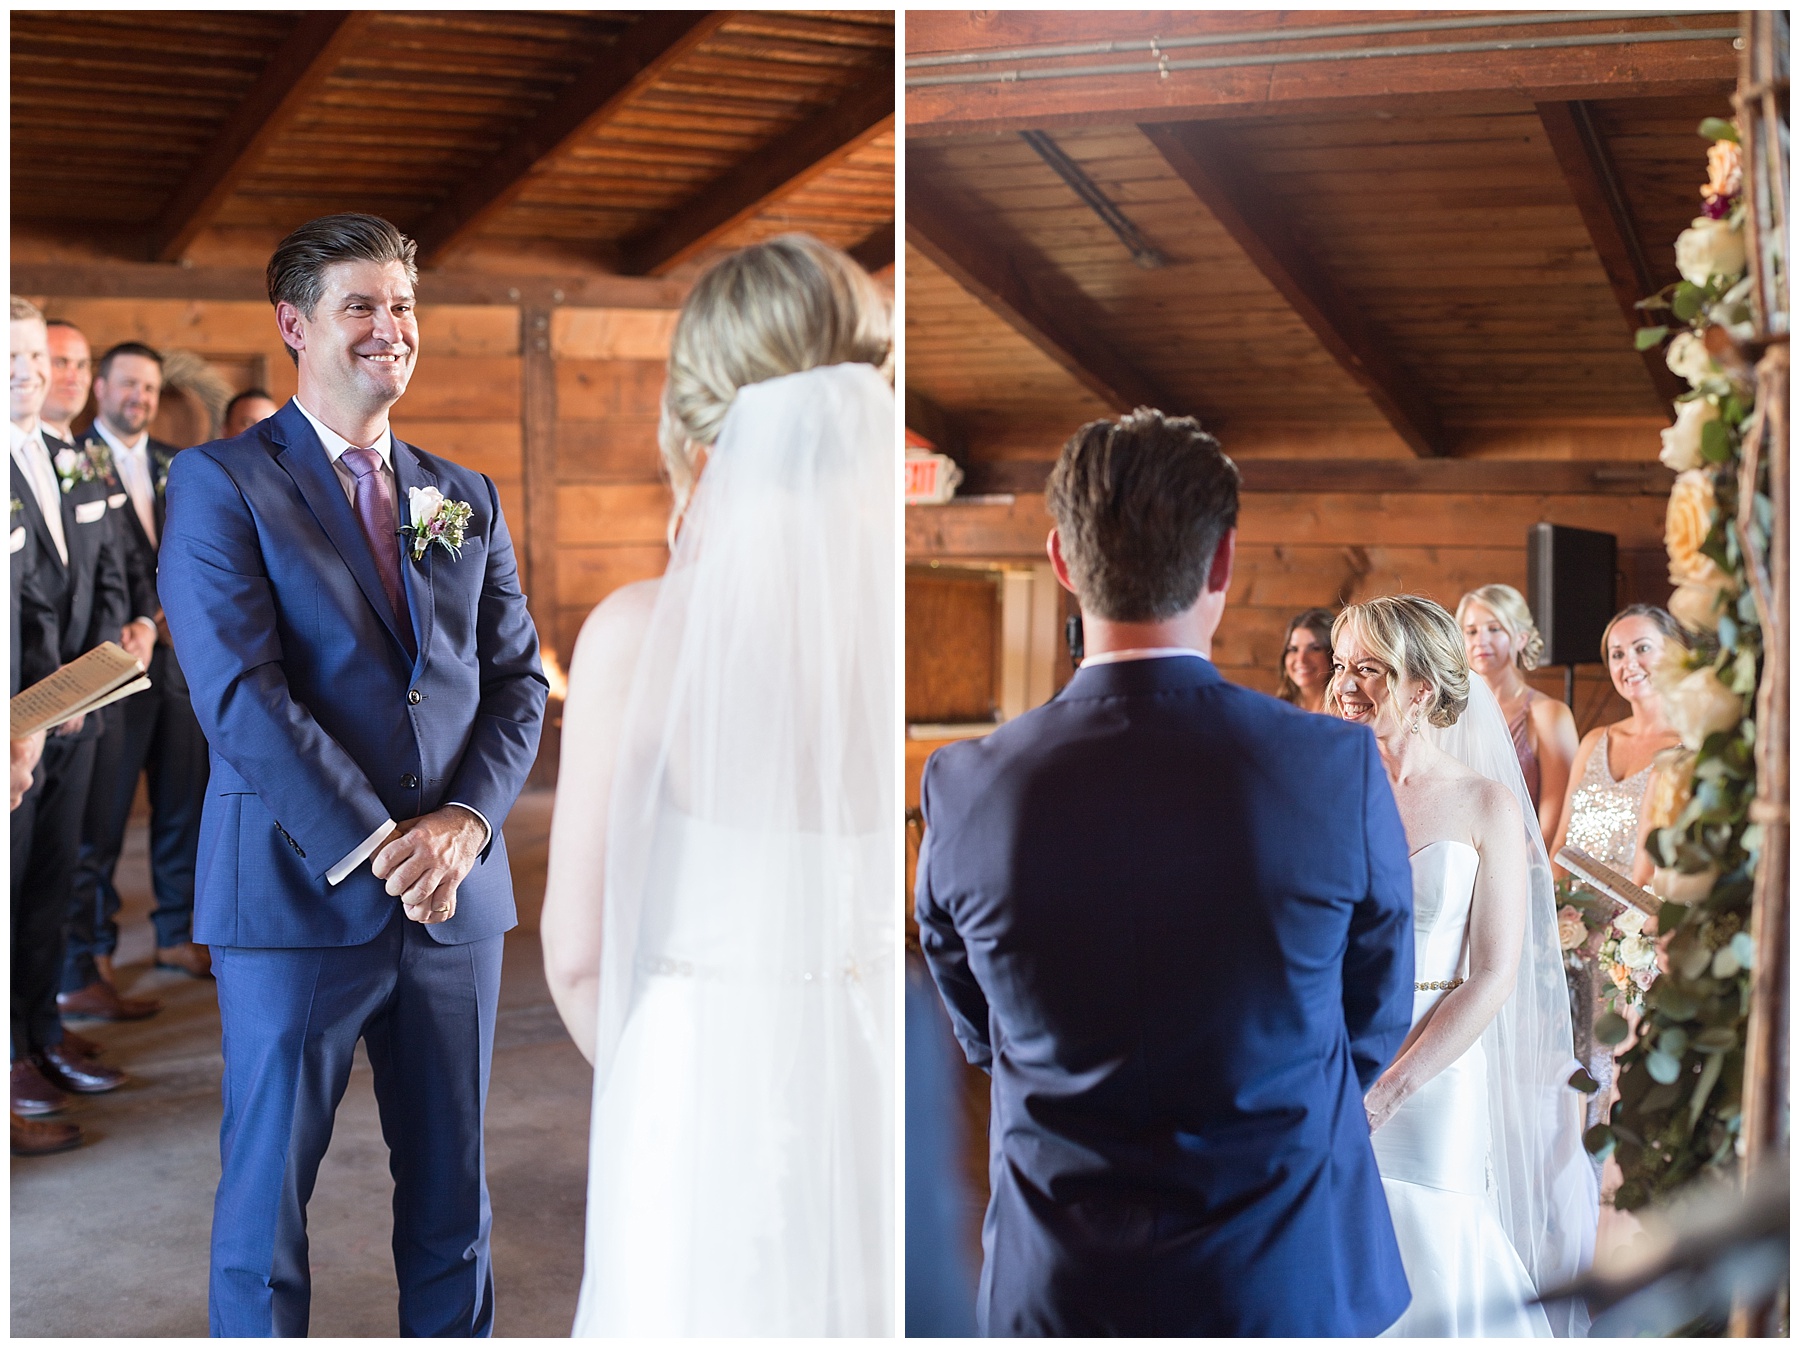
(1300, 549)
(558, 406)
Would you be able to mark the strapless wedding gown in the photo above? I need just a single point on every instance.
(1467, 1280)
(740, 1179)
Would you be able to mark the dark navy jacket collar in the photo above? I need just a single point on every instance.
(1161, 674)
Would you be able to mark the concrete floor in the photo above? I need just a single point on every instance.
(111, 1239)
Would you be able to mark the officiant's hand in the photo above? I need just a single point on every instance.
(427, 858)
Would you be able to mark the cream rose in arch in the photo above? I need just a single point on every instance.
(1689, 358)
(1692, 510)
(1681, 442)
(1695, 604)
(1701, 705)
(1709, 248)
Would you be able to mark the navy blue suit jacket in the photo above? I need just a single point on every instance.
(1173, 917)
(320, 724)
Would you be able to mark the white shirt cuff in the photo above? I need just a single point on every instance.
(142, 619)
(338, 873)
(484, 823)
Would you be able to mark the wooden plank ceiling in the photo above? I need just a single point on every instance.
(1371, 258)
(640, 143)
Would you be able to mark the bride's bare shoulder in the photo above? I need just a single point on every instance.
(614, 632)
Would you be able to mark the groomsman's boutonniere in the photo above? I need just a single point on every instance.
(435, 520)
(73, 466)
(162, 471)
(99, 456)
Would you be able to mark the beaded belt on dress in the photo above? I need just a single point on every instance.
(1440, 985)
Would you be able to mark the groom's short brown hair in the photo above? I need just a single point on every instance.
(296, 271)
(1141, 504)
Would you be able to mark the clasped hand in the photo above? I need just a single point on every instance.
(426, 859)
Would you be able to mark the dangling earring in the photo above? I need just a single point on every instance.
(1413, 729)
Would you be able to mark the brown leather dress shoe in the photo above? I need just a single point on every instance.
(103, 966)
(98, 1001)
(72, 1072)
(32, 1093)
(193, 960)
(80, 1043)
(38, 1137)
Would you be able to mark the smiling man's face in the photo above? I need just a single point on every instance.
(359, 343)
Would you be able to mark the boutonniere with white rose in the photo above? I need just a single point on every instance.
(435, 519)
(74, 466)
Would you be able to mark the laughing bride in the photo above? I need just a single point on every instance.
(1476, 1131)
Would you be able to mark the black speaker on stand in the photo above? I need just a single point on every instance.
(1572, 587)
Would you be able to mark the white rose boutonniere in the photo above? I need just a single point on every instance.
(72, 467)
(435, 519)
(1709, 248)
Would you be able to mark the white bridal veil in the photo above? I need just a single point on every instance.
(752, 845)
(1545, 1183)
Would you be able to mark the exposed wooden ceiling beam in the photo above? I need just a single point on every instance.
(1492, 477)
(1006, 275)
(151, 281)
(938, 426)
(1473, 81)
(297, 70)
(877, 248)
(643, 54)
(1594, 183)
(1258, 225)
(787, 164)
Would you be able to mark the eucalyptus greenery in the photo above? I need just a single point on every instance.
(1681, 1081)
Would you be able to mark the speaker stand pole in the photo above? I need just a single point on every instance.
(1569, 686)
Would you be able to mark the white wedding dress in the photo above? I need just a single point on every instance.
(741, 1165)
(733, 1190)
(1435, 1153)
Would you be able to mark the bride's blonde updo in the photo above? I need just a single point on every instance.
(1415, 636)
(789, 304)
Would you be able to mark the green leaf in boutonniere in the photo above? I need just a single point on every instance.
(100, 456)
(435, 520)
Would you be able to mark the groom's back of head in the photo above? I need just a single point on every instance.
(1141, 505)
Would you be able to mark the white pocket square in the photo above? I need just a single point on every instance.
(117, 499)
(89, 511)
(18, 539)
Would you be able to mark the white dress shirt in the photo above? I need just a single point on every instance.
(33, 457)
(336, 447)
(133, 460)
(1139, 653)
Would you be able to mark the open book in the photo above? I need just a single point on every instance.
(1599, 876)
(105, 674)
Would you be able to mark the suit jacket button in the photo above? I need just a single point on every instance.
(414, 696)
(409, 781)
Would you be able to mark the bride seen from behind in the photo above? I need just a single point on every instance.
(718, 925)
(1476, 1133)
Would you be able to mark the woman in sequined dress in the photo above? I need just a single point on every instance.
(1502, 642)
(1606, 789)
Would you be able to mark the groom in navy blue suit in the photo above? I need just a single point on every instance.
(372, 697)
(1173, 918)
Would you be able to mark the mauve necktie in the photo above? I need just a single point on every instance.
(381, 528)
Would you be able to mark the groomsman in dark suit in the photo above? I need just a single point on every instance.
(153, 733)
(34, 656)
(62, 500)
